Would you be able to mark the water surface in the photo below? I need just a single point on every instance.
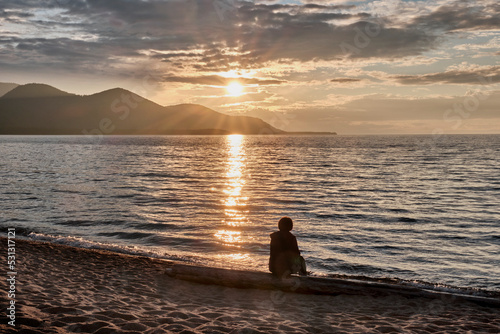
(411, 207)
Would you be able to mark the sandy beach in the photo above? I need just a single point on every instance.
(60, 289)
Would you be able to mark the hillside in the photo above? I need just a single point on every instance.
(34, 91)
(42, 109)
(6, 87)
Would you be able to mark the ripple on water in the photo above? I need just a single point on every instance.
(362, 205)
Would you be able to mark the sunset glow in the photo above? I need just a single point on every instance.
(234, 89)
(353, 67)
(250, 166)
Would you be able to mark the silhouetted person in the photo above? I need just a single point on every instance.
(285, 256)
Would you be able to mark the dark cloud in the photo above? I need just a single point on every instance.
(169, 55)
(71, 51)
(306, 36)
(258, 33)
(483, 76)
(314, 5)
(462, 15)
(345, 80)
(198, 35)
(14, 15)
(217, 80)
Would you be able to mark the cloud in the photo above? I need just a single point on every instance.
(462, 16)
(250, 35)
(253, 36)
(217, 80)
(272, 36)
(345, 80)
(484, 75)
(493, 44)
(14, 15)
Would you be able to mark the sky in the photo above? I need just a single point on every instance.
(353, 67)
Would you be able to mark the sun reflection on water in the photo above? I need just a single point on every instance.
(235, 211)
(234, 257)
(229, 237)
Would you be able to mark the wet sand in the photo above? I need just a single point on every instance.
(61, 289)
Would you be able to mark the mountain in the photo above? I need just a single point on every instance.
(6, 87)
(42, 109)
(34, 91)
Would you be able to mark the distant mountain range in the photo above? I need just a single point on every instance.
(42, 109)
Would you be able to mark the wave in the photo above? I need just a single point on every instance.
(87, 244)
(126, 235)
(81, 223)
(407, 220)
(148, 238)
(158, 226)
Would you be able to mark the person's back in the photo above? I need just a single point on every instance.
(284, 249)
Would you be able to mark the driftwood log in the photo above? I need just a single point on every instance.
(313, 285)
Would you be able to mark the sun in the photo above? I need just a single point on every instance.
(234, 88)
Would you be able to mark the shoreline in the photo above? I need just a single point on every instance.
(363, 280)
(62, 289)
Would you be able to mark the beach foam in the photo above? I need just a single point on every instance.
(149, 252)
(63, 289)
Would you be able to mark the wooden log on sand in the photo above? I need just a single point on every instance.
(313, 285)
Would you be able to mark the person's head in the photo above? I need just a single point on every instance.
(285, 224)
